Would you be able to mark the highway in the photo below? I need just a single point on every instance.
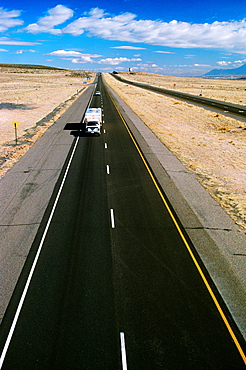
(112, 281)
(239, 110)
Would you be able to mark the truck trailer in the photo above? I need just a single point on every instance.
(93, 121)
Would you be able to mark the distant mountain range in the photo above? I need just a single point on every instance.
(237, 72)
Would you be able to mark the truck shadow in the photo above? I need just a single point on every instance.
(77, 129)
(77, 126)
(78, 133)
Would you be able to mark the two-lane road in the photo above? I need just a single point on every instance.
(115, 283)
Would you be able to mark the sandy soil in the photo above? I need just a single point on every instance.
(35, 99)
(211, 145)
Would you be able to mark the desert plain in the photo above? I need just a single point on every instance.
(211, 144)
(33, 99)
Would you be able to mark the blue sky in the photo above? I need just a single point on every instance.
(179, 37)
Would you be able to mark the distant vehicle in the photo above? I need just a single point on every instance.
(97, 93)
(93, 121)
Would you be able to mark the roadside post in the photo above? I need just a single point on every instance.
(15, 125)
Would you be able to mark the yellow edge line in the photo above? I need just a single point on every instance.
(184, 239)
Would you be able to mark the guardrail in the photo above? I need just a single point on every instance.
(218, 104)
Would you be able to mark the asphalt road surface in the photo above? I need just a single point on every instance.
(112, 281)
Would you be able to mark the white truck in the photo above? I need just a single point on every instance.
(93, 121)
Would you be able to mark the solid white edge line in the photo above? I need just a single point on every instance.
(24, 293)
(123, 351)
(112, 218)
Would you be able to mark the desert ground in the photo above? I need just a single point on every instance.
(34, 99)
(210, 144)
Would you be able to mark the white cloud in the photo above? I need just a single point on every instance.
(149, 67)
(56, 16)
(124, 27)
(96, 13)
(66, 53)
(116, 61)
(7, 41)
(98, 25)
(223, 63)
(83, 59)
(80, 57)
(163, 52)
(88, 58)
(202, 65)
(9, 19)
(127, 47)
(236, 63)
(22, 51)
